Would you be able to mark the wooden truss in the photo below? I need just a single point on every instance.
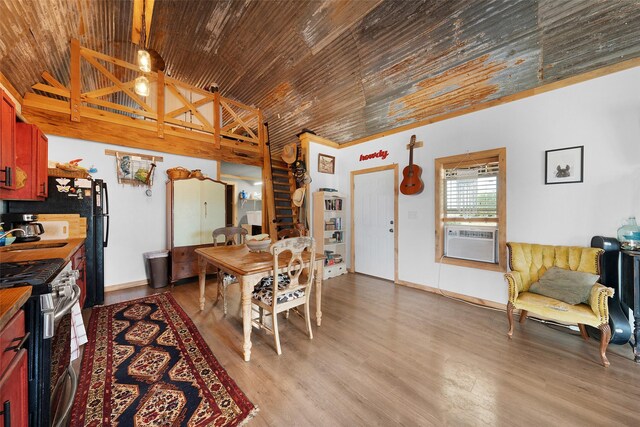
(199, 124)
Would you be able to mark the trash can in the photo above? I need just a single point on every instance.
(157, 268)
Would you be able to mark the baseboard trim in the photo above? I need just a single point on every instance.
(125, 285)
(467, 298)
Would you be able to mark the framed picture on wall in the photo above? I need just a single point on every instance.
(564, 165)
(326, 163)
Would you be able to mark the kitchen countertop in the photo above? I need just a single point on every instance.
(12, 299)
(42, 249)
(10, 302)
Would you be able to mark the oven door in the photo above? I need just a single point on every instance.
(64, 380)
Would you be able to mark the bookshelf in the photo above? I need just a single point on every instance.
(329, 231)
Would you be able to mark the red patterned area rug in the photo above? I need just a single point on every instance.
(146, 365)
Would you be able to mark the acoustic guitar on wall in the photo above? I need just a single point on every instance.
(411, 181)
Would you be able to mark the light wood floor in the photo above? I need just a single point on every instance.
(390, 355)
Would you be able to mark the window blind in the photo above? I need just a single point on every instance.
(471, 192)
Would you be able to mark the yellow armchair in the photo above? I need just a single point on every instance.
(528, 262)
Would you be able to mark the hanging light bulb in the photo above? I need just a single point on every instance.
(141, 86)
(144, 60)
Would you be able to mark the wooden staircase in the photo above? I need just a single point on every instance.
(284, 185)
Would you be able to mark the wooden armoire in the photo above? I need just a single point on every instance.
(195, 207)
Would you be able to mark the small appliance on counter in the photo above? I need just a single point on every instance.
(31, 229)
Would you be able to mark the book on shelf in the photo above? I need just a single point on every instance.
(333, 204)
(333, 224)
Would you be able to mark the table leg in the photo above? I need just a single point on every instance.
(202, 276)
(319, 271)
(636, 334)
(247, 288)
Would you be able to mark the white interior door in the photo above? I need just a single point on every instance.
(374, 226)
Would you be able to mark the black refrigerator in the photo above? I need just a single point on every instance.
(89, 199)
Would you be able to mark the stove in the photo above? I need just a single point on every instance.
(29, 273)
(53, 292)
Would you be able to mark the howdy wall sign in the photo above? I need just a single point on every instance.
(382, 154)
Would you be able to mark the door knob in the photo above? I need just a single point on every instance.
(391, 230)
(391, 222)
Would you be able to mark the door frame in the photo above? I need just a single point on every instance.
(396, 184)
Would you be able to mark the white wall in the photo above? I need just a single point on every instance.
(138, 222)
(601, 114)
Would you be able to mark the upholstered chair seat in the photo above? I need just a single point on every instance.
(264, 290)
(228, 279)
(529, 262)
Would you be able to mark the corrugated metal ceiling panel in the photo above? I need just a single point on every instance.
(346, 69)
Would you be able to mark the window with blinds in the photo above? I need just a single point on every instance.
(470, 198)
(471, 192)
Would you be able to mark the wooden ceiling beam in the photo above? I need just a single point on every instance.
(52, 81)
(136, 21)
(108, 132)
(9, 88)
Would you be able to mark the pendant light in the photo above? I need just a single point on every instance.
(141, 85)
(144, 60)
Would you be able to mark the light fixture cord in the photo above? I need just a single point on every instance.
(143, 36)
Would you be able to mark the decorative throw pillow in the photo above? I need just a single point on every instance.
(572, 287)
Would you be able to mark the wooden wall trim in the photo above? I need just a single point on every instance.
(126, 285)
(600, 72)
(306, 138)
(8, 87)
(445, 293)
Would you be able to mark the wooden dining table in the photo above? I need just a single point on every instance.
(249, 268)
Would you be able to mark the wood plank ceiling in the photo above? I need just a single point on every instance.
(345, 69)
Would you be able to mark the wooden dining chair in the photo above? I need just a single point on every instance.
(288, 233)
(295, 283)
(232, 236)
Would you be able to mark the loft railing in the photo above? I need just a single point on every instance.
(194, 113)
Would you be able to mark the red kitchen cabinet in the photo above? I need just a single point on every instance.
(7, 142)
(78, 263)
(32, 155)
(14, 396)
(14, 389)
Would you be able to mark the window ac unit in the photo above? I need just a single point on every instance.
(476, 243)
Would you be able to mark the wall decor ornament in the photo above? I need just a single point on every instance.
(326, 163)
(564, 165)
(381, 154)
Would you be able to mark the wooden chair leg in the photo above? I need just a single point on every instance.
(605, 333)
(510, 318)
(523, 315)
(583, 331)
(276, 334)
(307, 318)
(224, 299)
(219, 281)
